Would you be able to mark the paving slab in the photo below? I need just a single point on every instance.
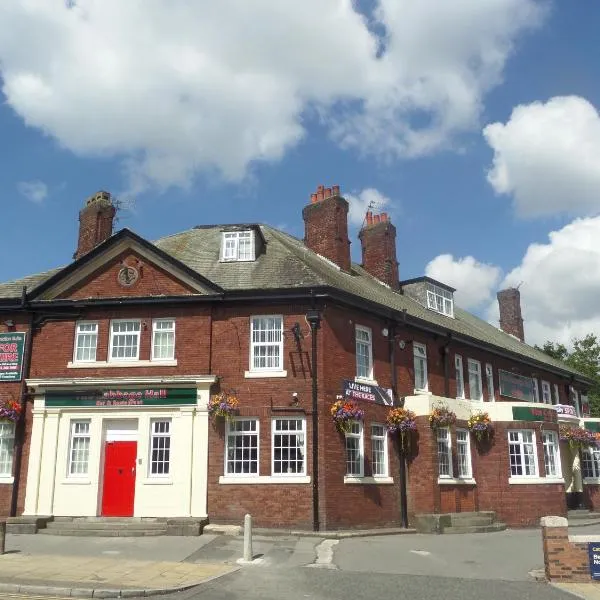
(588, 591)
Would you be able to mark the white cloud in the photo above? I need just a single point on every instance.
(547, 157)
(560, 284)
(175, 88)
(474, 281)
(359, 204)
(34, 191)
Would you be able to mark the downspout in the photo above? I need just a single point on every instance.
(314, 319)
(401, 461)
(20, 427)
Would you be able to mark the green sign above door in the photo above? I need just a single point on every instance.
(122, 398)
(529, 413)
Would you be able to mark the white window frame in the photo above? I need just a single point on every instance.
(379, 437)
(440, 300)
(289, 432)
(7, 446)
(156, 332)
(583, 399)
(576, 403)
(72, 436)
(352, 434)
(253, 433)
(590, 461)
(489, 377)
(522, 454)
(465, 444)
(420, 356)
(551, 449)
(254, 345)
(112, 334)
(536, 390)
(369, 345)
(446, 438)
(459, 376)
(556, 396)
(474, 369)
(234, 255)
(157, 435)
(546, 392)
(83, 334)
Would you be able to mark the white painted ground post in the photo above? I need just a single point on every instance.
(248, 538)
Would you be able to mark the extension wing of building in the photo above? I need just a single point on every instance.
(196, 377)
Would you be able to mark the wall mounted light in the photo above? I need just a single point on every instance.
(9, 323)
(385, 332)
(401, 344)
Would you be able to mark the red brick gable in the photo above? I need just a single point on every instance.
(152, 280)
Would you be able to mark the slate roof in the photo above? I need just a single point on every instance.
(287, 264)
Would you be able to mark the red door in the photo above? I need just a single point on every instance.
(119, 479)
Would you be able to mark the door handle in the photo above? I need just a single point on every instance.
(133, 470)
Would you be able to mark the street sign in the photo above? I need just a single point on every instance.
(594, 559)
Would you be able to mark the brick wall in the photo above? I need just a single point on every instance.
(565, 558)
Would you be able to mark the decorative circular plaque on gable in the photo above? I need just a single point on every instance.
(127, 275)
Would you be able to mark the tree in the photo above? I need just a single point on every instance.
(585, 358)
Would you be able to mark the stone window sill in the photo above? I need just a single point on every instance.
(7, 480)
(535, 480)
(261, 374)
(75, 481)
(366, 381)
(157, 481)
(591, 480)
(456, 481)
(264, 479)
(350, 479)
(121, 363)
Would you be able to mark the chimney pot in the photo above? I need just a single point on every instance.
(511, 318)
(369, 218)
(376, 218)
(378, 245)
(327, 192)
(313, 198)
(335, 190)
(384, 217)
(95, 222)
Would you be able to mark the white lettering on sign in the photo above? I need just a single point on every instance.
(565, 409)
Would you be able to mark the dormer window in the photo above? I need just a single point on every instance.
(440, 300)
(237, 246)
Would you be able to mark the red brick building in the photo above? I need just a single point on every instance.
(125, 346)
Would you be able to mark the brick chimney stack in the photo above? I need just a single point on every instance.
(511, 320)
(95, 222)
(378, 244)
(326, 226)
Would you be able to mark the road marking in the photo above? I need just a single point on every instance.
(325, 555)
(421, 552)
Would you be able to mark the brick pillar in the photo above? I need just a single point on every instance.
(511, 320)
(326, 226)
(95, 222)
(378, 244)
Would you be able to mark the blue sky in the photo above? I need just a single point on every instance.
(414, 106)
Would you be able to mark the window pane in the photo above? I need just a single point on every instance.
(80, 448)
(86, 341)
(163, 343)
(463, 453)
(242, 447)
(363, 353)
(551, 454)
(444, 457)
(378, 449)
(354, 462)
(267, 343)
(125, 339)
(7, 440)
(288, 446)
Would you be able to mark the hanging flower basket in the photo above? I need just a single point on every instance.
(401, 421)
(578, 437)
(480, 425)
(441, 416)
(223, 404)
(9, 410)
(344, 413)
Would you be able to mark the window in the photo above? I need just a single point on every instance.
(241, 456)
(125, 340)
(420, 358)
(379, 458)
(289, 447)
(160, 447)
(364, 353)
(536, 390)
(237, 245)
(267, 343)
(551, 454)
(575, 401)
(556, 397)
(440, 300)
(591, 463)
(463, 453)
(489, 376)
(460, 381)
(546, 394)
(163, 339)
(79, 454)
(354, 450)
(521, 450)
(444, 452)
(585, 405)
(7, 443)
(86, 340)
(475, 387)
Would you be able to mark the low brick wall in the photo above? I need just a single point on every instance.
(565, 557)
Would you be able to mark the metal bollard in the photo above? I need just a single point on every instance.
(248, 538)
(2, 536)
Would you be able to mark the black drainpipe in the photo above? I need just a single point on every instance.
(20, 427)
(314, 319)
